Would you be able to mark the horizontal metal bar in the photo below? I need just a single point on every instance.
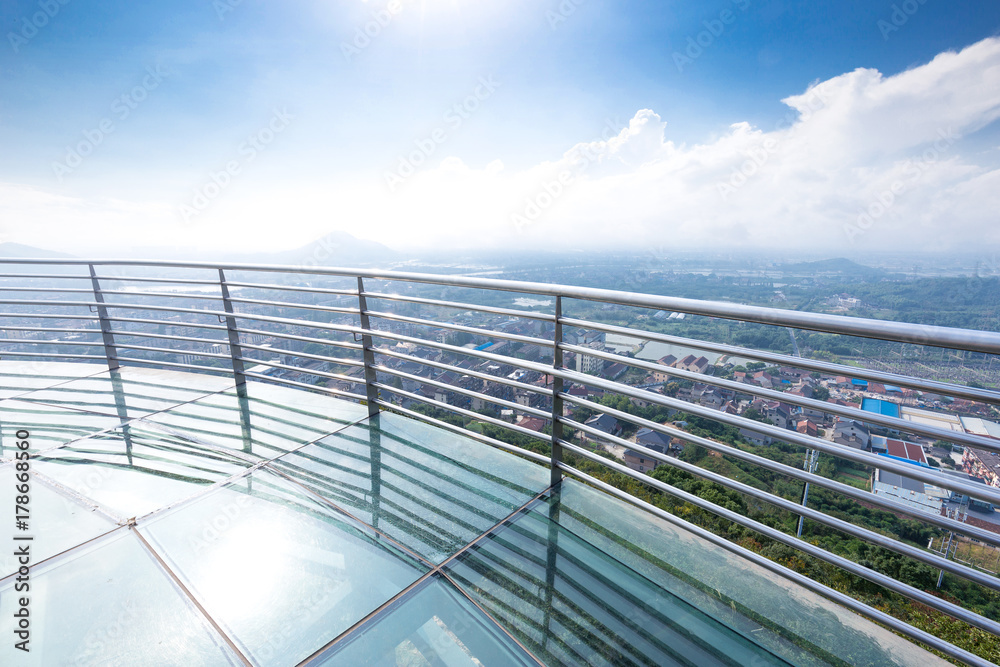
(829, 408)
(486, 333)
(168, 295)
(870, 536)
(294, 288)
(537, 458)
(174, 364)
(458, 305)
(308, 324)
(305, 355)
(51, 330)
(167, 350)
(305, 339)
(544, 414)
(830, 368)
(464, 412)
(58, 290)
(53, 355)
(30, 341)
(303, 306)
(881, 501)
(901, 332)
(305, 371)
(186, 339)
(44, 276)
(165, 281)
(49, 316)
(840, 598)
(544, 391)
(303, 385)
(166, 323)
(856, 569)
(469, 352)
(36, 302)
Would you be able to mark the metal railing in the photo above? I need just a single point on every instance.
(328, 335)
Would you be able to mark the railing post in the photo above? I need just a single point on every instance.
(557, 402)
(369, 356)
(232, 328)
(102, 313)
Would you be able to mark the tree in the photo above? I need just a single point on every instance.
(756, 415)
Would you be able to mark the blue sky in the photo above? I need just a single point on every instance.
(579, 123)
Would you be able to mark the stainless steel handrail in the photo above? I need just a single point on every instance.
(365, 351)
(901, 332)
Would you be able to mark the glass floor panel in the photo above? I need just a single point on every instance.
(48, 426)
(430, 489)
(21, 377)
(268, 422)
(251, 555)
(282, 572)
(431, 625)
(109, 604)
(130, 392)
(56, 522)
(583, 578)
(133, 471)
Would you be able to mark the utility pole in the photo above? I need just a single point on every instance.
(947, 550)
(812, 458)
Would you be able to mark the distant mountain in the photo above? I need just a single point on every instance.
(17, 251)
(827, 266)
(334, 249)
(20, 251)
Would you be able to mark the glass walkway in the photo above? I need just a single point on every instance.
(174, 520)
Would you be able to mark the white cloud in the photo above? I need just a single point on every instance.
(862, 160)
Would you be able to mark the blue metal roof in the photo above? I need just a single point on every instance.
(878, 406)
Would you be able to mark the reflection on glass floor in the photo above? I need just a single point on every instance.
(178, 520)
